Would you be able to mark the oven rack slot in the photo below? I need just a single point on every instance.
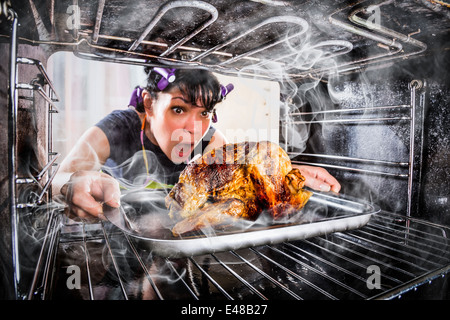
(18, 211)
(348, 168)
(43, 72)
(368, 117)
(408, 252)
(51, 97)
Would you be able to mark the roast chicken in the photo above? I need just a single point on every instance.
(236, 181)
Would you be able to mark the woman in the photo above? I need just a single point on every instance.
(170, 125)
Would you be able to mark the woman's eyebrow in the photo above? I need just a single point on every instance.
(181, 98)
(187, 101)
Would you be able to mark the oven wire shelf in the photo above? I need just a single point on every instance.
(407, 252)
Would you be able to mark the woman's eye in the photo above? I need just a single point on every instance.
(177, 110)
(205, 114)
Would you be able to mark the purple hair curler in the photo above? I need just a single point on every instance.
(136, 97)
(226, 89)
(214, 116)
(168, 76)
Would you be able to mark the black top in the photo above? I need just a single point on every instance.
(126, 162)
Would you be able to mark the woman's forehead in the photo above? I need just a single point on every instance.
(176, 95)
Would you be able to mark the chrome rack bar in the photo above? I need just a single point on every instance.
(350, 110)
(295, 275)
(289, 19)
(87, 259)
(51, 256)
(39, 199)
(47, 185)
(389, 232)
(390, 245)
(295, 20)
(320, 273)
(12, 118)
(413, 86)
(334, 157)
(116, 267)
(47, 166)
(175, 4)
(351, 120)
(38, 88)
(402, 175)
(293, 248)
(390, 256)
(242, 280)
(214, 282)
(49, 242)
(174, 270)
(327, 243)
(147, 273)
(268, 277)
(51, 154)
(41, 68)
(414, 283)
(427, 235)
(52, 109)
(353, 17)
(390, 42)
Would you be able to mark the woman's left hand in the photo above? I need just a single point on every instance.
(318, 178)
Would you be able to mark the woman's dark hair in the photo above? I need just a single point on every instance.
(194, 84)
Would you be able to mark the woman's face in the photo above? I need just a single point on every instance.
(176, 126)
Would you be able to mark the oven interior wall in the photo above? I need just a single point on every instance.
(389, 140)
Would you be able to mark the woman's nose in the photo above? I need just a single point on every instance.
(193, 125)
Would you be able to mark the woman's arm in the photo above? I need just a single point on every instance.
(79, 179)
(90, 152)
(318, 178)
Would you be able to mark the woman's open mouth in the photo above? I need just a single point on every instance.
(183, 150)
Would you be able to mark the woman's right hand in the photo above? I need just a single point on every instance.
(87, 191)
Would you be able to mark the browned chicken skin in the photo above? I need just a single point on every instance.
(236, 181)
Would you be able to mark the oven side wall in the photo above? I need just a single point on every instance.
(31, 157)
(390, 140)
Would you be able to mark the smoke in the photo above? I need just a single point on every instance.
(300, 90)
(132, 174)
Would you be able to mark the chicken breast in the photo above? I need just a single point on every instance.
(236, 181)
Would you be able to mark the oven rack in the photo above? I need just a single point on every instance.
(86, 39)
(408, 253)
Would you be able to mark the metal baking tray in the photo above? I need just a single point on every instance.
(143, 216)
